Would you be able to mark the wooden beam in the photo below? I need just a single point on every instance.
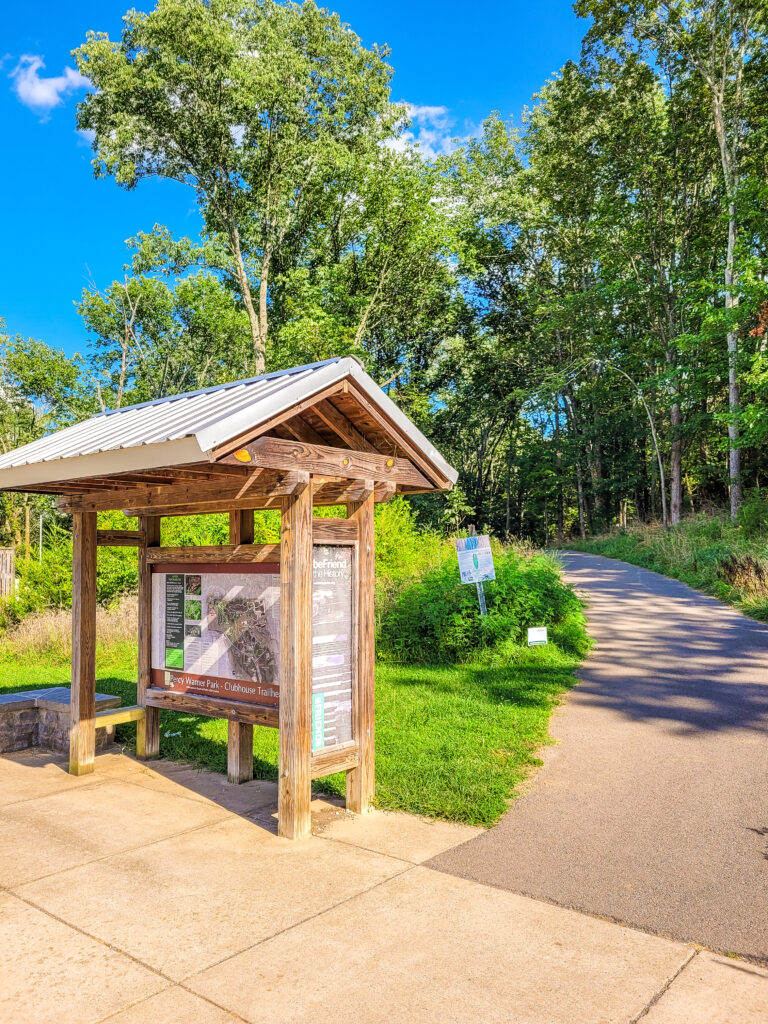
(67, 487)
(302, 431)
(339, 423)
(120, 538)
(82, 705)
(241, 526)
(267, 425)
(342, 492)
(326, 530)
(257, 485)
(274, 453)
(334, 759)
(239, 751)
(337, 492)
(242, 553)
(294, 781)
(361, 780)
(205, 471)
(120, 716)
(441, 483)
(150, 477)
(213, 707)
(148, 728)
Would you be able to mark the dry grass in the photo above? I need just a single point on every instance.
(48, 635)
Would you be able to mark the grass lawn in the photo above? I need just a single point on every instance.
(452, 742)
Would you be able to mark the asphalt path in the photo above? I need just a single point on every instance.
(652, 806)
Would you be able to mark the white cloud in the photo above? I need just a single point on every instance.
(39, 93)
(425, 113)
(432, 131)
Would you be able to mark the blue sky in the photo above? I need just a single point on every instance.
(62, 229)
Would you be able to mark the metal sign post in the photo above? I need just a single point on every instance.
(481, 598)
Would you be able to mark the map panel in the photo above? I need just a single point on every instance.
(216, 633)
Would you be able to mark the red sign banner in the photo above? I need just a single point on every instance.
(215, 686)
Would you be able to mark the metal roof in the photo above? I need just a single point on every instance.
(186, 428)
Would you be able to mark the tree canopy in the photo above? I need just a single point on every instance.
(574, 307)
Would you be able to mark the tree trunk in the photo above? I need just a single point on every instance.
(676, 465)
(580, 500)
(731, 302)
(728, 160)
(266, 264)
(508, 516)
(560, 513)
(257, 335)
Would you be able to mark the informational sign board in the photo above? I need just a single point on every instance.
(216, 631)
(537, 635)
(333, 644)
(475, 559)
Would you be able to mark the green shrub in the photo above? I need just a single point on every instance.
(437, 618)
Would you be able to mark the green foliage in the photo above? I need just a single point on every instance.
(151, 340)
(437, 618)
(753, 516)
(265, 109)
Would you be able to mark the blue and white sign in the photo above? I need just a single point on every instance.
(475, 559)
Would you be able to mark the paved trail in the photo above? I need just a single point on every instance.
(652, 809)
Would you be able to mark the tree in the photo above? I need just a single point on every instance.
(40, 389)
(716, 40)
(258, 106)
(151, 339)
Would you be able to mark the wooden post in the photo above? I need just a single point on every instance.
(294, 777)
(240, 734)
(82, 708)
(148, 728)
(361, 781)
(241, 526)
(240, 752)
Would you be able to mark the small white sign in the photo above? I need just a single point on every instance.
(537, 635)
(475, 559)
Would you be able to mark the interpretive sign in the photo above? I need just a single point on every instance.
(475, 559)
(333, 644)
(537, 635)
(216, 630)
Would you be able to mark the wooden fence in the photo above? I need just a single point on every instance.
(7, 571)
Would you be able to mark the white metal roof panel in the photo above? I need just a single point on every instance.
(185, 428)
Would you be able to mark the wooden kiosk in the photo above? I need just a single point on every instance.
(323, 434)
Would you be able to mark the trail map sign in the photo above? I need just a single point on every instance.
(216, 631)
(475, 559)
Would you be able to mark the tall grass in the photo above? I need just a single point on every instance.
(47, 635)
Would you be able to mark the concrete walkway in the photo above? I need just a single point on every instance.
(652, 809)
(162, 895)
